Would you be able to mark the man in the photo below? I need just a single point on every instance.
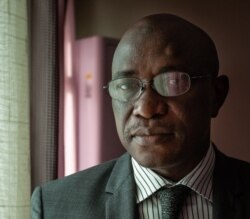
(165, 89)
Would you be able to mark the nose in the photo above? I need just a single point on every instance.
(150, 105)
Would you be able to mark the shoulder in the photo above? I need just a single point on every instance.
(90, 177)
(83, 193)
(79, 191)
(85, 182)
(231, 189)
(232, 167)
(239, 166)
(72, 194)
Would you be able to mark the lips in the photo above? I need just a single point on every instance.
(153, 136)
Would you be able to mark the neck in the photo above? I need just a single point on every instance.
(177, 171)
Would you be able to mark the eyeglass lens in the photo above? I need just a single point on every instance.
(167, 84)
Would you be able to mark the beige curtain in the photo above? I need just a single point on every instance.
(14, 111)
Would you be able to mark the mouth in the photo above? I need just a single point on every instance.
(152, 138)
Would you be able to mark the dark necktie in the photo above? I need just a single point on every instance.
(172, 200)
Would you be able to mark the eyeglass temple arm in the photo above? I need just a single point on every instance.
(201, 76)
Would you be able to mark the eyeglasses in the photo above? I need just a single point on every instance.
(169, 84)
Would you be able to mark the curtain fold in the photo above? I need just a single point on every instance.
(14, 111)
(44, 90)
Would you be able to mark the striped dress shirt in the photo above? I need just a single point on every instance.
(198, 204)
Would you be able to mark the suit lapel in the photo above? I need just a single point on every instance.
(227, 189)
(121, 190)
(227, 195)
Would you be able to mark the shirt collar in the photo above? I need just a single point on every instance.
(199, 179)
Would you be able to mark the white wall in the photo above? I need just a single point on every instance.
(226, 21)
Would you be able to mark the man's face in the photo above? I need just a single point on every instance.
(161, 133)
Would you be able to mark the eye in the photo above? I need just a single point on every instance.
(124, 86)
(174, 82)
(127, 85)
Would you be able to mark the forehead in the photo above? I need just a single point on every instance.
(148, 47)
(148, 52)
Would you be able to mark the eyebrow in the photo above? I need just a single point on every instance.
(170, 68)
(123, 74)
(132, 73)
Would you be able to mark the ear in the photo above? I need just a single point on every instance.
(220, 91)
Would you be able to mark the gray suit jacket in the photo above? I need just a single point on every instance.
(108, 191)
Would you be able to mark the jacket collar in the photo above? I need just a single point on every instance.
(121, 190)
(227, 189)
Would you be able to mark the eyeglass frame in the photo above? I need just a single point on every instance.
(143, 83)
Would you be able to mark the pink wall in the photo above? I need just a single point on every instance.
(226, 21)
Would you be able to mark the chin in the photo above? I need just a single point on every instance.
(153, 159)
